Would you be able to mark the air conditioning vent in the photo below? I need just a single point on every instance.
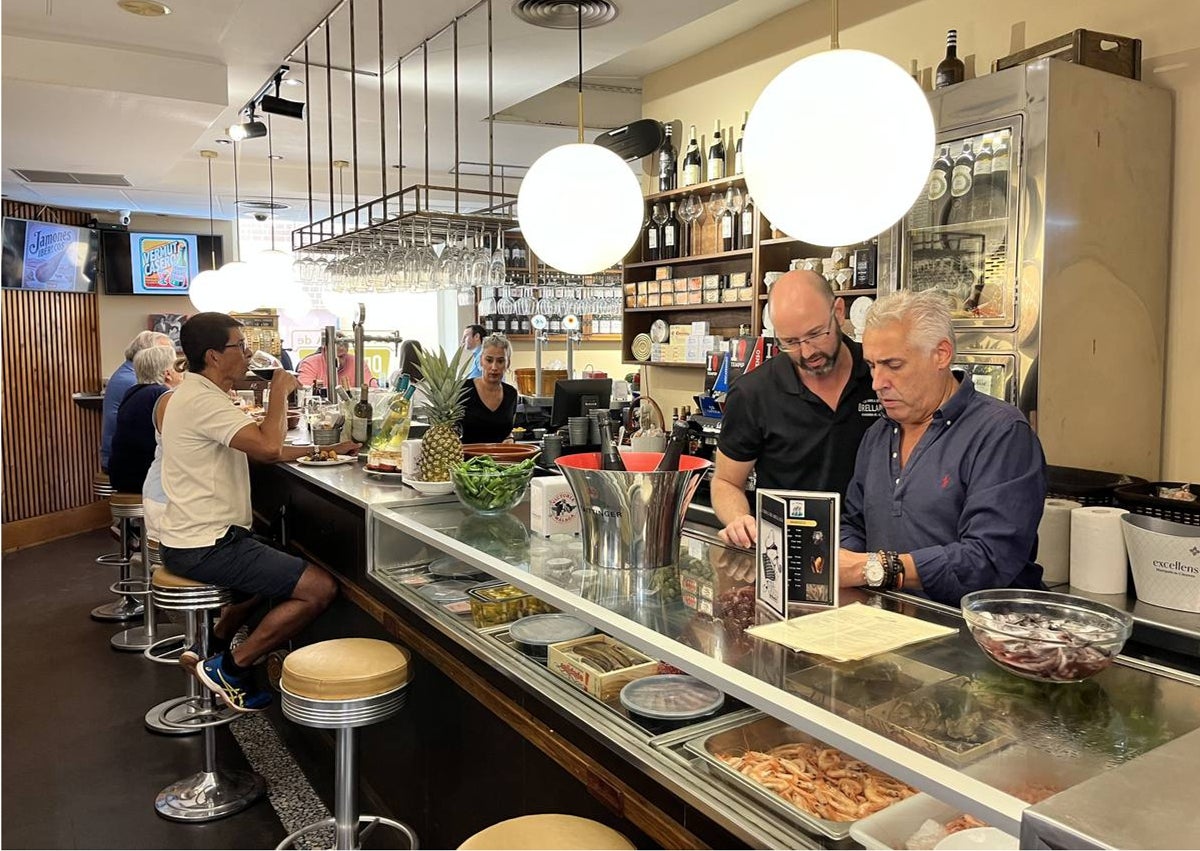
(33, 175)
(560, 15)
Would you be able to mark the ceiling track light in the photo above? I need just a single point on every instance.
(251, 129)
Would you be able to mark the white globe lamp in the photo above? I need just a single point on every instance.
(272, 272)
(239, 284)
(207, 292)
(580, 208)
(830, 184)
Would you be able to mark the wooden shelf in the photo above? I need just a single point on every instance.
(665, 363)
(782, 240)
(737, 179)
(677, 308)
(695, 258)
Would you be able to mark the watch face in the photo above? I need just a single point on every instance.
(874, 571)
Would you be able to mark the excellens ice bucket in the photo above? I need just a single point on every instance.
(631, 519)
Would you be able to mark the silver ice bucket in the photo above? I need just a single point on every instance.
(631, 519)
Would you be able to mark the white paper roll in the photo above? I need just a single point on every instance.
(1098, 558)
(1054, 541)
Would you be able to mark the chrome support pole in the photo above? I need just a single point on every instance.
(329, 344)
(345, 805)
(359, 351)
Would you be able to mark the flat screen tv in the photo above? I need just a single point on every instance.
(156, 263)
(46, 256)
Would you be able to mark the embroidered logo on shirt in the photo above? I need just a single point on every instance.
(870, 408)
(945, 481)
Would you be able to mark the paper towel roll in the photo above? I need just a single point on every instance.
(1054, 541)
(1098, 559)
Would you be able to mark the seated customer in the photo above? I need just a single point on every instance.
(205, 532)
(119, 383)
(490, 404)
(134, 438)
(312, 368)
(948, 488)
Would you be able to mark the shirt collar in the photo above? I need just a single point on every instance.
(205, 383)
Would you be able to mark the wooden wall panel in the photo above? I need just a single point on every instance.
(51, 349)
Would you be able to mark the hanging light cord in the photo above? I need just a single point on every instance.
(579, 7)
(833, 24)
(237, 200)
(271, 173)
(212, 243)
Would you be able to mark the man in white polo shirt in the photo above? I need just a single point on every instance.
(205, 532)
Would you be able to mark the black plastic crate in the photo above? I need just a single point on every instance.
(1144, 499)
(1087, 487)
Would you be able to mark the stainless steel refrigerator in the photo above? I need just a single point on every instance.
(1056, 268)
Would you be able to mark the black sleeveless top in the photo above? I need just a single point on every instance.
(483, 425)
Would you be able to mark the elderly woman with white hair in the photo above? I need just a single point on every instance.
(134, 438)
(118, 385)
(490, 405)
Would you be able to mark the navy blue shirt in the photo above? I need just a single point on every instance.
(133, 441)
(967, 504)
(118, 385)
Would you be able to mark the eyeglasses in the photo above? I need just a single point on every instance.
(793, 344)
(244, 345)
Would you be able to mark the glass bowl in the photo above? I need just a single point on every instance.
(490, 491)
(1045, 636)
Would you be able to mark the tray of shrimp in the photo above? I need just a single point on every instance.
(797, 776)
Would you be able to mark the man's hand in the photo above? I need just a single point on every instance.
(283, 382)
(346, 447)
(742, 532)
(852, 569)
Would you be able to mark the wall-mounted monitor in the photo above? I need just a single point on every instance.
(156, 263)
(46, 256)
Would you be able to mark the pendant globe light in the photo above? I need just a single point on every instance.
(830, 187)
(580, 205)
(206, 290)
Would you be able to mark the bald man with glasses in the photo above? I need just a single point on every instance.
(797, 420)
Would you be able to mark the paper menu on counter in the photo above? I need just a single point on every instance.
(850, 633)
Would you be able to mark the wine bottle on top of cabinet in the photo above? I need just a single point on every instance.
(667, 170)
(737, 151)
(691, 161)
(951, 69)
(716, 154)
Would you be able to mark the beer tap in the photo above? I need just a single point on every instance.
(332, 337)
(539, 323)
(570, 324)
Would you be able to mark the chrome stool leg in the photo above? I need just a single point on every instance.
(189, 714)
(139, 638)
(126, 607)
(210, 793)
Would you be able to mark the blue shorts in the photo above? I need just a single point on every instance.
(240, 561)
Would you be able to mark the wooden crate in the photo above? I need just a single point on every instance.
(600, 685)
(1116, 54)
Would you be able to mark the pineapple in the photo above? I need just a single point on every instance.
(441, 447)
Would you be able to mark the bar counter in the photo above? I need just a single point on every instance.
(1091, 735)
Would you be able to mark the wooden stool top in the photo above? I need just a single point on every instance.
(345, 669)
(536, 832)
(100, 478)
(125, 499)
(166, 579)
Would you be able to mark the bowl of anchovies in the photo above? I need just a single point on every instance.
(1046, 636)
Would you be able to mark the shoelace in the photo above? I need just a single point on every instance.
(236, 694)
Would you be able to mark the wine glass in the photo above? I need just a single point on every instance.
(659, 215)
(716, 208)
(690, 209)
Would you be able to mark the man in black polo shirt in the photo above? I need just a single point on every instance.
(798, 419)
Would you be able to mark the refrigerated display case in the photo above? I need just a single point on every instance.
(1045, 225)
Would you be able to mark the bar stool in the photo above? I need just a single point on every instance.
(527, 833)
(141, 638)
(211, 793)
(341, 685)
(125, 508)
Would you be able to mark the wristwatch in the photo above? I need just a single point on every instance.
(874, 572)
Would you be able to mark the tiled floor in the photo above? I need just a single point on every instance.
(79, 768)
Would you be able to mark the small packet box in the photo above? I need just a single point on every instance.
(552, 507)
(564, 660)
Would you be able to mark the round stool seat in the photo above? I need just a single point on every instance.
(101, 485)
(532, 833)
(345, 669)
(164, 578)
(178, 593)
(126, 505)
(153, 553)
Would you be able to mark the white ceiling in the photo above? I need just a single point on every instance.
(88, 87)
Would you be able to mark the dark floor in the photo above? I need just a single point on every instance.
(79, 768)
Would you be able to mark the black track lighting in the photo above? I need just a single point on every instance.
(275, 105)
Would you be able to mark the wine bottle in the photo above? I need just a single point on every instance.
(951, 69)
(691, 161)
(360, 423)
(667, 171)
(727, 227)
(746, 230)
(998, 208)
(669, 248)
(981, 181)
(651, 239)
(938, 191)
(716, 154)
(610, 457)
(676, 444)
(961, 177)
(737, 151)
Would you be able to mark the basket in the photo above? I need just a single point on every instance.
(1087, 487)
(527, 378)
(1142, 499)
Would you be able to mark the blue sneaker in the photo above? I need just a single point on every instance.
(238, 693)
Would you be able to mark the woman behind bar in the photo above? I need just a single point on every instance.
(134, 438)
(490, 404)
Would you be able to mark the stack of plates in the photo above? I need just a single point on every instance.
(641, 347)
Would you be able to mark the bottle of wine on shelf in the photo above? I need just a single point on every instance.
(938, 191)
(981, 181)
(667, 171)
(669, 247)
(1000, 156)
(676, 444)
(716, 154)
(651, 239)
(610, 457)
(691, 161)
(737, 151)
(728, 226)
(951, 69)
(360, 423)
(746, 229)
(961, 178)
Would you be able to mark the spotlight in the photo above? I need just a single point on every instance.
(275, 105)
(250, 130)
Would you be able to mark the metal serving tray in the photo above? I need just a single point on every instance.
(761, 734)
